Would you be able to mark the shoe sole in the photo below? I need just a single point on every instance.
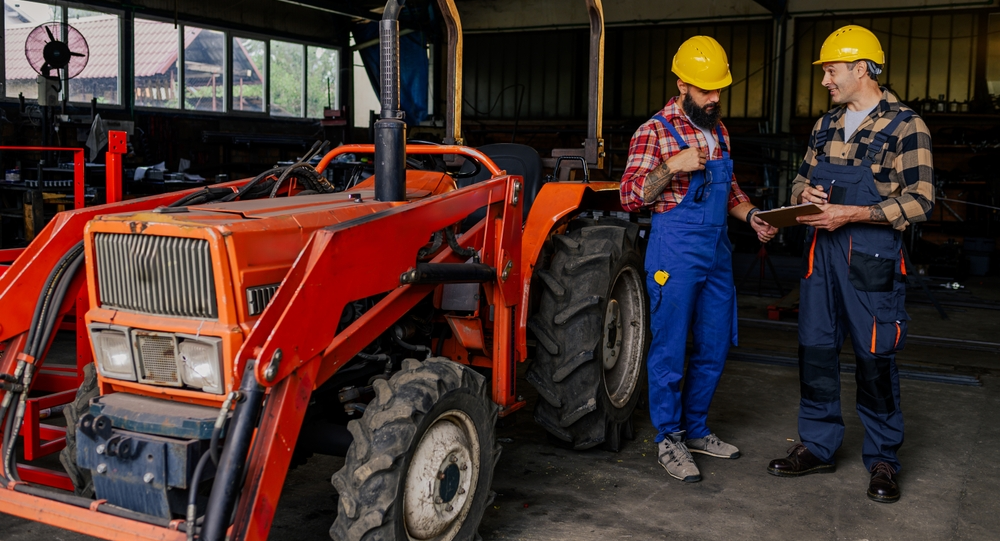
(700, 452)
(688, 479)
(826, 468)
(882, 499)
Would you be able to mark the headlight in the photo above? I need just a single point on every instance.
(200, 360)
(114, 353)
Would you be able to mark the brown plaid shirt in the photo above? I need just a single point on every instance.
(903, 170)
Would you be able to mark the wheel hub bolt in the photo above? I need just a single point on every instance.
(452, 459)
(437, 499)
(100, 449)
(101, 468)
(450, 508)
(461, 491)
(148, 478)
(440, 476)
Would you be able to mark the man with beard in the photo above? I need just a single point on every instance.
(869, 167)
(679, 166)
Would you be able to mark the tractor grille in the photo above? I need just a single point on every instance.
(157, 358)
(167, 276)
(259, 297)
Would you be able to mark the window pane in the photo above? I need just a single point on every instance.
(286, 78)
(204, 69)
(248, 74)
(20, 18)
(155, 64)
(100, 78)
(322, 77)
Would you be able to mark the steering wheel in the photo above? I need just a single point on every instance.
(458, 175)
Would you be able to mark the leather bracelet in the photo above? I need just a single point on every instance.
(750, 214)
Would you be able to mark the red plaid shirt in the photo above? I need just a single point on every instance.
(650, 144)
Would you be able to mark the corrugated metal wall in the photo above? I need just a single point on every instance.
(547, 71)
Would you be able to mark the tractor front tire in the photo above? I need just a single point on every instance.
(83, 484)
(591, 334)
(422, 460)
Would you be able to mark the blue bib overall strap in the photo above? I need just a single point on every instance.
(882, 137)
(852, 286)
(689, 251)
(672, 130)
(822, 137)
(722, 142)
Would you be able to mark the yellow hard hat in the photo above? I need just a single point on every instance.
(702, 62)
(849, 44)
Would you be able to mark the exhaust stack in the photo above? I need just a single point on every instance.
(390, 130)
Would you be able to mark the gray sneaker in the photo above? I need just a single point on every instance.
(711, 445)
(676, 459)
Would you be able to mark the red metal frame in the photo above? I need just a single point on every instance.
(82, 520)
(78, 167)
(117, 145)
(35, 433)
(414, 149)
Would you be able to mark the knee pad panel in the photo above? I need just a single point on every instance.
(819, 374)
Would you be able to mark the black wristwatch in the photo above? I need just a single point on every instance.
(750, 214)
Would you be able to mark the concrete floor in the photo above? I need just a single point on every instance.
(950, 482)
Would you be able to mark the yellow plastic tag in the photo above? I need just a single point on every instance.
(661, 277)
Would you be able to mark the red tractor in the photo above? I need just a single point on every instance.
(236, 330)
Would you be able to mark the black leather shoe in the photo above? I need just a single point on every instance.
(883, 487)
(800, 461)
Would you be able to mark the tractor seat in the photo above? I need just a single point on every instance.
(520, 160)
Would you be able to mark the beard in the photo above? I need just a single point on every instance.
(706, 117)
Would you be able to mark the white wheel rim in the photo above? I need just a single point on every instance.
(441, 481)
(623, 335)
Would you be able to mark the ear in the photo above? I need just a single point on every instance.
(682, 87)
(861, 69)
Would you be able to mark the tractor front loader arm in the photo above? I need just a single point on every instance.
(294, 347)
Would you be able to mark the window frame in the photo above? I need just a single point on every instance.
(64, 8)
(126, 89)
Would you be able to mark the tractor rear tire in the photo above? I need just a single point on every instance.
(422, 460)
(591, 330)
(83, 484)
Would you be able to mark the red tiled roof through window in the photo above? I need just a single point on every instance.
(155, 52)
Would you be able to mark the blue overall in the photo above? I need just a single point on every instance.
(853, 283)
(691, 244)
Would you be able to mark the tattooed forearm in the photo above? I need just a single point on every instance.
(656, 181)
(876, 214)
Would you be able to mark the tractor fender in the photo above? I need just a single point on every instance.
(555, 203)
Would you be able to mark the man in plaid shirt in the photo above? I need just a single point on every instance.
(679, 165)
(869, 168)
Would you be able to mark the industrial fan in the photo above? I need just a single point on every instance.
(55, 59)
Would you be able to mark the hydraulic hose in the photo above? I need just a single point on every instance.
(192, 507)
(246, 187)
(229, 474)
(405, 345)
(43, 322)
(304, 162)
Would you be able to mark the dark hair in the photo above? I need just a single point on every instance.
(873, 69)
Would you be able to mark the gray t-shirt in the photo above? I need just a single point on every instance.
(853, 119)
(710, 137)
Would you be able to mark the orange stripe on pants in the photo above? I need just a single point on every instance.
(812, 253)
(874, 326)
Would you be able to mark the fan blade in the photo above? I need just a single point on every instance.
(49, 32)
(71, 53)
